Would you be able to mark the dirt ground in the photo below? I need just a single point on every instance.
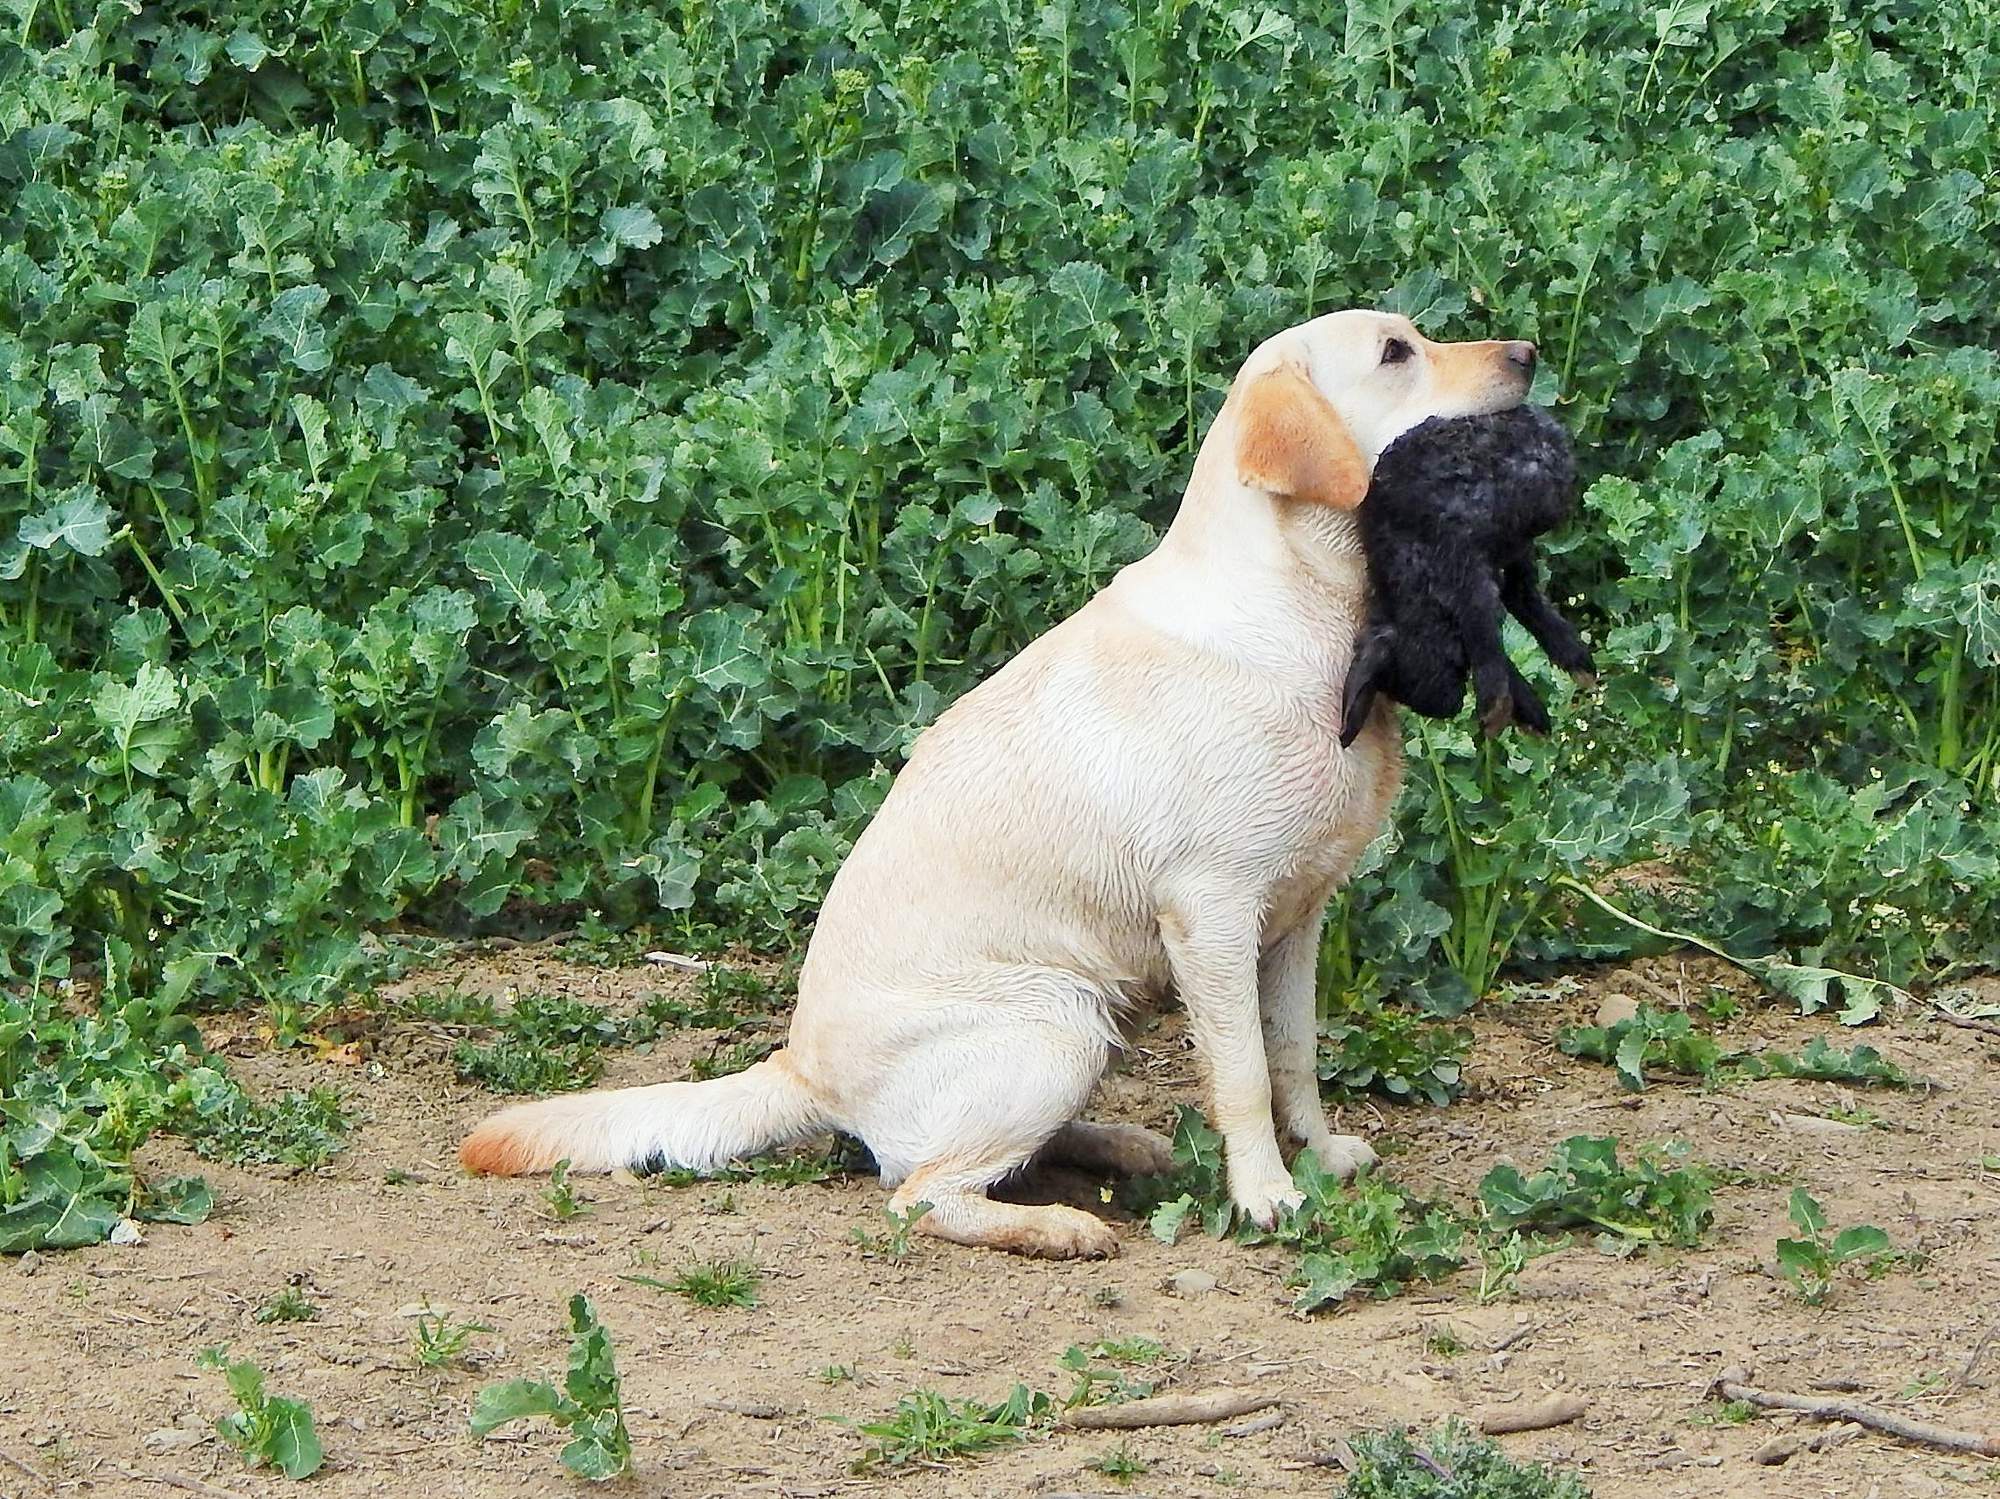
(100, 1393)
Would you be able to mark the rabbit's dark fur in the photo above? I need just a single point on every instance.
(1448, 522)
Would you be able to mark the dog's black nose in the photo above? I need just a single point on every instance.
(1521, 352)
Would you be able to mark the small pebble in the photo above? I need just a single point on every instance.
(126, 1234)
(1191, 1283)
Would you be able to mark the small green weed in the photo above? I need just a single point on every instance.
(439, 1341)
(302, 1130)
(1813, 1262)
(1096, 1384)
(1724, 1413)
(711, 1283)
(1121, 1464)
(1584, 1184)
(1502, 1258)
(1449, 1463)
(834, 1374)
(1380, 1049)
(893, 1245)
(558, 1197)
(289, 1305)
(927, 1428)
(1443, 1341)
(269, 1430)
(588, 1406)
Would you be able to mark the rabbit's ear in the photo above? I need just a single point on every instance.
(1290, 441)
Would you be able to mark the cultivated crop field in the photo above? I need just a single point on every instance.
(491, 490)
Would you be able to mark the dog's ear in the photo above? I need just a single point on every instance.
(1290, 441)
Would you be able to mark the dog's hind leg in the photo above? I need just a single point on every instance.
(974, 1107)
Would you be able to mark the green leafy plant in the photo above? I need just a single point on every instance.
(440, 1340)
(1502, 1258)
(1379, 1049)
(1812, 1263)
(1099, 1371)
(1647, 1202)
(1448, 1463)
(587, 1406)
(301, 1130)
(559, 1197)
(928, 1428)
(1667, 1041)
(269, 1430)
(1364, 1236)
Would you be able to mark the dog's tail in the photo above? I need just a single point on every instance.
(696, 1125)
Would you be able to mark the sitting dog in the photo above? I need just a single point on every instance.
(1451, 512)
(1152, 798)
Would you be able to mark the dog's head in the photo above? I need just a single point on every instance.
(1313, 406)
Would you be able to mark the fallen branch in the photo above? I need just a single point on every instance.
(1519, 1335)
(1558, 1410)
(1873, 1417)
(1170, 1410)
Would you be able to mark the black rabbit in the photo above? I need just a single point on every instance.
(1448, 522)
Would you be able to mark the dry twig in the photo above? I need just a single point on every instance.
(1873, 1417)
(1170, 1410)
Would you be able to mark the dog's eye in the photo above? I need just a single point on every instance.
(1395, 351)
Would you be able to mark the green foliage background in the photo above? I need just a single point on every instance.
(455, 450)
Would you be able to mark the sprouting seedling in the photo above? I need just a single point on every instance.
(1813, 1262)
(269, 1430)
(440, 1341)
(587, 1406)
(562, 1203)
(894, 1245)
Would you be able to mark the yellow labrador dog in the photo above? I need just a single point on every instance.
(1150, 798)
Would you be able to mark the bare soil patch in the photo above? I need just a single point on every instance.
(99, 1392)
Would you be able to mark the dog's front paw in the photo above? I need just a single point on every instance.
(1265, 1201)
(1341, 1155)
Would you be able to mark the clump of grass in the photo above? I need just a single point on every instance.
(289, 1305)
(926, 1428)
(710, 1283)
